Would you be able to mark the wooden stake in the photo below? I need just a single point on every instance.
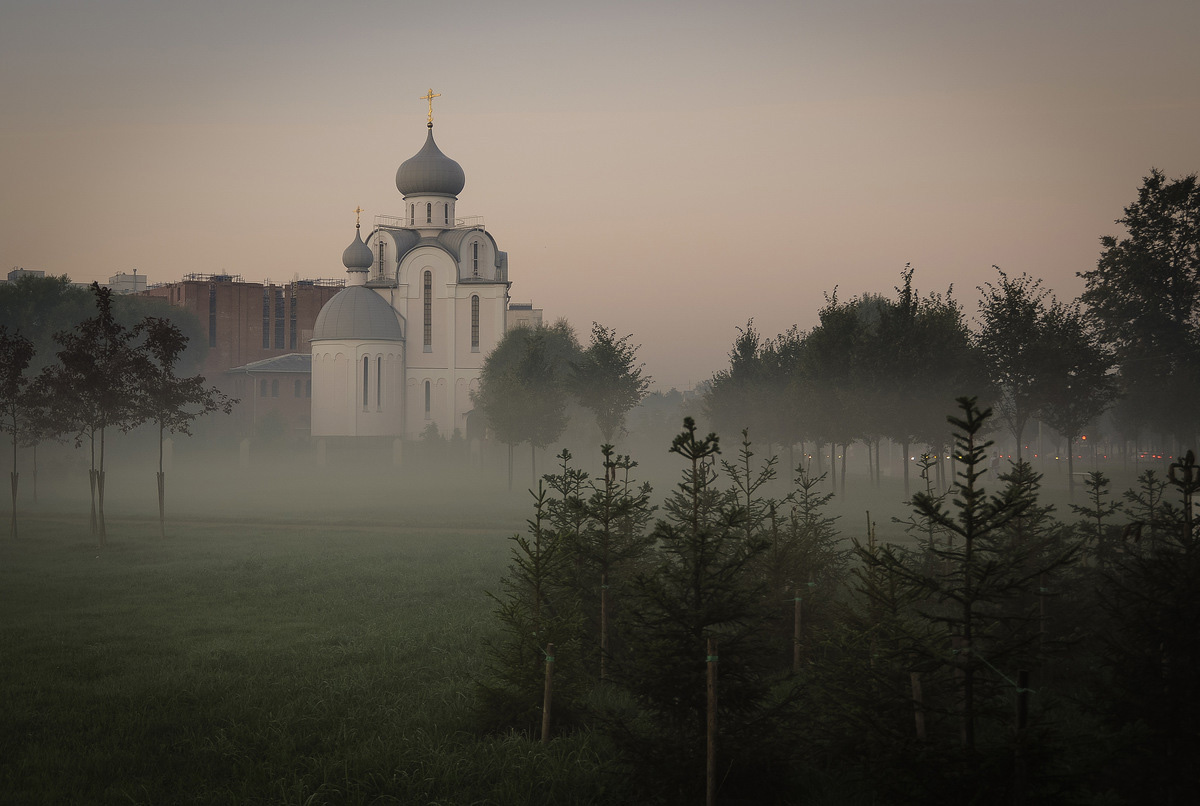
(918, 704)
(796, 637)
(547, 696)
(604, 626)
(711, 767)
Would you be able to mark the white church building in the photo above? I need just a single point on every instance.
(426, 300)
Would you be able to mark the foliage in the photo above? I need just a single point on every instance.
(608, 380)
(16, 404)
(522, 386)
(95, 387)
(1145, 295)
(170, 402)
(1099, 537)
(536, 607)
(698, 587)
(1152, 647)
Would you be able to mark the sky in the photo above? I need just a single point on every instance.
(668, 169)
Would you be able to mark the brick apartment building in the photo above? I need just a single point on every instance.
(248, 324)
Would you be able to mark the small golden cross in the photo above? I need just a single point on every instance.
(430, 98)
(358, 211)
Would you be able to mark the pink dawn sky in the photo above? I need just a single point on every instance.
(670, 169)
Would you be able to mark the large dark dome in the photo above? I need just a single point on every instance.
(430, 173)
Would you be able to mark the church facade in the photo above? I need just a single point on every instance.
(426, 299)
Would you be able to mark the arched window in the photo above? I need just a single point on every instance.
(428, 213)
(366, 364)
(475, 323)
(274, 388)
(446, 213)
(428, 294)
(475, 257)
(379, 383)
(297, 388)
(412, 214)
(308, 388)
(262, 388)
(427, 399)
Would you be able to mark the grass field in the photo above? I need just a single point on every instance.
(301, 637)
(267, 652)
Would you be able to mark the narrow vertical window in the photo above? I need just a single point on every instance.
(427, 400)
(475, 323)
(475, 257)
(212, 316)
(274, 388)
(446, 213)
(292, 322)
(412, 214)
(266, 318)
(280, 310)
(379, 383)
(297, 394)
(262, 388)
(428, 293)
(366, 364)
(308, 388)
(428, 212)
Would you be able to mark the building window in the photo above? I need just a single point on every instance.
(428, 213)
(266, 318)
(274, 388)
(280, 309)
(297, 388)
(262, 388)
(212, 316)
(428, 292)
(292, 320)
(412, 214)
(427, 399)
(308, 388)
(379, 383)
(446, 213)
(475, 258)
(475, 323)
(366, 366)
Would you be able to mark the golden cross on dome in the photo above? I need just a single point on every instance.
(358, 211)
(429, 97)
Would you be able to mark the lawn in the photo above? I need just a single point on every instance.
(264, 653)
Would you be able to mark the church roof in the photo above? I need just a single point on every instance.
(357, 255)
(292, 362)
(430, 172)
(357, 313)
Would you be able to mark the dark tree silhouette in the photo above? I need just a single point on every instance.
(608, 380)
(16, 352)
(170, 402)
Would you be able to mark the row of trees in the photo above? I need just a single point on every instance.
(999, 656)
(874, 366)
(106, 376)
(534, 374)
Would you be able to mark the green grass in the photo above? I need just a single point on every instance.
(293, 663)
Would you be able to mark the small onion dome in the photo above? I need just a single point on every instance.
(357, 256)
(430, 172)
(357, 314)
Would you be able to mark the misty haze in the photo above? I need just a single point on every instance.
(768, 404)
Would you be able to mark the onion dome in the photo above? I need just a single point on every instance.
(357, 313)
(430, 173)
(357, 256)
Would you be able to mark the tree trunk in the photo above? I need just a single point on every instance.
(1071, 468)
(14, 483)
(101, 532)
(162, 488)
(845, 450)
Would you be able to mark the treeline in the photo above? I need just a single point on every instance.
(877, 366)
(98, 375)
(737, 643)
